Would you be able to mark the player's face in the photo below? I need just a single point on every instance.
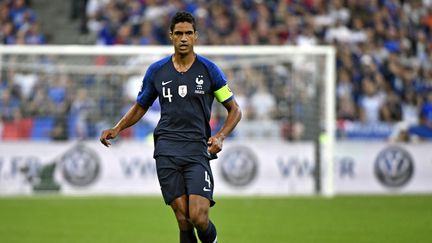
(183, 37)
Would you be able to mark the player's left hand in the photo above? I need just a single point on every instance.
(215, 144)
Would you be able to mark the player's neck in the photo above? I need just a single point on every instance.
(183, 62)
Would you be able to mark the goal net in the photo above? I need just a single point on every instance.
(73, 92)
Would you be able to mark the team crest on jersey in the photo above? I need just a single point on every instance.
(199, 82)
(182, 90)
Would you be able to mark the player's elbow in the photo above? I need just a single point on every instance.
(237, 111)
(240, 114)
(234, 110)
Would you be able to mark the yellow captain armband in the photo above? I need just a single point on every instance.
(223, 93)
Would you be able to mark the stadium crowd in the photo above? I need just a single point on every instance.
(384, 59)
(19, 24)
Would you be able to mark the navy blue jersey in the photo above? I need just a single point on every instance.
(186, 100)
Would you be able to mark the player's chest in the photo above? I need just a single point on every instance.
(180, 86)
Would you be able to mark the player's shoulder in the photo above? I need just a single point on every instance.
(159, 64)
(206, 61)
(211, 66)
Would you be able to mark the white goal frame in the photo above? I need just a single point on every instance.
(328, 141)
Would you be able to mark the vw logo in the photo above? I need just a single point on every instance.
(394, 167)
(81, 166)
(239, 166)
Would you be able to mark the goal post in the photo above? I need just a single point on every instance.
(302, 78)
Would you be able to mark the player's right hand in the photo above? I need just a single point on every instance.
(108, 134)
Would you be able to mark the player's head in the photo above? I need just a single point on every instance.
(181, 17)
(183, 32)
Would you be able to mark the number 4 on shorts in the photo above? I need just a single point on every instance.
(207, 179)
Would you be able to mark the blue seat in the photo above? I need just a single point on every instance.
(42, 127)
(72, 120)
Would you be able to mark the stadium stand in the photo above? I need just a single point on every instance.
(19, 23)
(384, 61)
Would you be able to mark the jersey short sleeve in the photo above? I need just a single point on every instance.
(148, 94)
(221, 90)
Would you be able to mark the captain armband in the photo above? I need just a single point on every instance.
(223, 94)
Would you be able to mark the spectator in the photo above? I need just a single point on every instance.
(344, 86)
(25, 81)
(8, 33)
(60, 130)
(307, 37)
(426, 111)
(82, 109)
(370, 102)
(358, 32)
(8, 105)
(262, 103)
(410, 107)
(347, 109)
(423, 131)
(34, 36)
(339, 33)
(39, 104)
(391, 110)
(124, 36)
(146, 34)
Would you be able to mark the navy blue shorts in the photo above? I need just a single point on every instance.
(184, 176)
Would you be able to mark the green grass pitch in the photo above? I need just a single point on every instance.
(347, 219)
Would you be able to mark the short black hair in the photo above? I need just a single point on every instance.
(180, 17)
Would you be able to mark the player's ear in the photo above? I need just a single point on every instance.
(196, 35)
(170, 35)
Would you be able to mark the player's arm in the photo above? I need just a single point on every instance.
(146, 97)
(130, 118)
(234, 115)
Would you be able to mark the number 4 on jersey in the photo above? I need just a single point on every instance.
(167, 93)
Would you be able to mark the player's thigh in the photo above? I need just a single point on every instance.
(198, 204)
(199, 178)
(180, 207)
(170, 178)
(199, 207)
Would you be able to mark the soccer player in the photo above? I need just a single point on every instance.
(185, 84)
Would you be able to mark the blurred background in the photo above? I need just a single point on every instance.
(336, 98)
(384, 72)
(379, 82)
